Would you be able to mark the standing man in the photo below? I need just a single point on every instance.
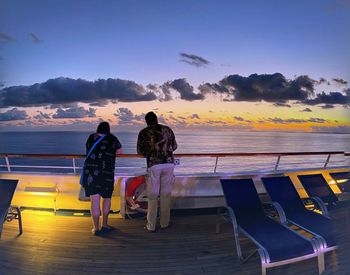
(157, 142)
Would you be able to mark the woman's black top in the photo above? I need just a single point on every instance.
(99, 166)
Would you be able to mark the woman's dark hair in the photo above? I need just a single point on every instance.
(151, 118)
(103, 128)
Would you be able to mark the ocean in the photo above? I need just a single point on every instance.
(188, 142)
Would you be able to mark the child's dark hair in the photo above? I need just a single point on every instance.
(103, 128)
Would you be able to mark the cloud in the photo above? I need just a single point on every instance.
(6, 38)
(215, 88)
(194, 116)
(194, 60)
(275, 88)
(323, 80)
(295, 120)
(331, 98)
(63, 106)
(13, 114)
(281, 104)
(100, 103)
(238, 118)
(78, 112)
(327, 106)
(125, 116)
(42, 115)
(162, 92)
(340, 81)
(306, 110)
(183, 88)
(67, 90)
(35, 38)
(264, 87)
(317, 120)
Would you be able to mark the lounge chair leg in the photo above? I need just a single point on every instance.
(263, 270)
(249, 256)
(238, 246)
(321, 266)
(2, 220)
(217, 228)
(54, 206)
(19, 221)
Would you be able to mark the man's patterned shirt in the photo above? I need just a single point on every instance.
(157, 143)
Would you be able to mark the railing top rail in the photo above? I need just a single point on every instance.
(181, 155)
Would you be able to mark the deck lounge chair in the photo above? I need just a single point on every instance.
(342, 179)
(317, 187)
(282, 190)
(277, 244)
(8, 212)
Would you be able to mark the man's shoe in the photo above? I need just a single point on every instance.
(166, 227)
(149, 231)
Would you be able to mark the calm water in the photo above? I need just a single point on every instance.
(199, 142)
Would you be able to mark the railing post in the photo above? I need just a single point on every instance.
(8, 164)
(277, 162)
(74, 167)
(327, 161)
(216, 164)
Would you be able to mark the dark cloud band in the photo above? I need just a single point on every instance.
(267, 87)
(274, 88)
(66, 90)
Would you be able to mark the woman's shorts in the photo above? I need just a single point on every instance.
(104, 191)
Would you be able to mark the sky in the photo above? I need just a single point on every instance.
(200, 65)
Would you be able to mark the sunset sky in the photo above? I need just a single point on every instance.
(200, 65)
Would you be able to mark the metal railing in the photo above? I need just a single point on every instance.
(217, 156)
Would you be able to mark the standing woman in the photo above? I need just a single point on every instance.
(99, 174)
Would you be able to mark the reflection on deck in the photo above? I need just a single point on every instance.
(64, 245)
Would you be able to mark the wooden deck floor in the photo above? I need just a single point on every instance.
(64, 245)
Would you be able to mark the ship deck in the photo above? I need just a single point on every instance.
(64, 245)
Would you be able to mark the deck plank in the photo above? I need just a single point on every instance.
(64, 245)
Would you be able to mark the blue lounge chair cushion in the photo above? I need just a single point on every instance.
(7, 189)
(280, 242)
(316, 223)
(282, 190)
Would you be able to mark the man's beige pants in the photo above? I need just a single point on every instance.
(159, 182)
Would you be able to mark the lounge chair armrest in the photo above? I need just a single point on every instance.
(233, 217)
(320, 205)
(280, 212)
(226, 213)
